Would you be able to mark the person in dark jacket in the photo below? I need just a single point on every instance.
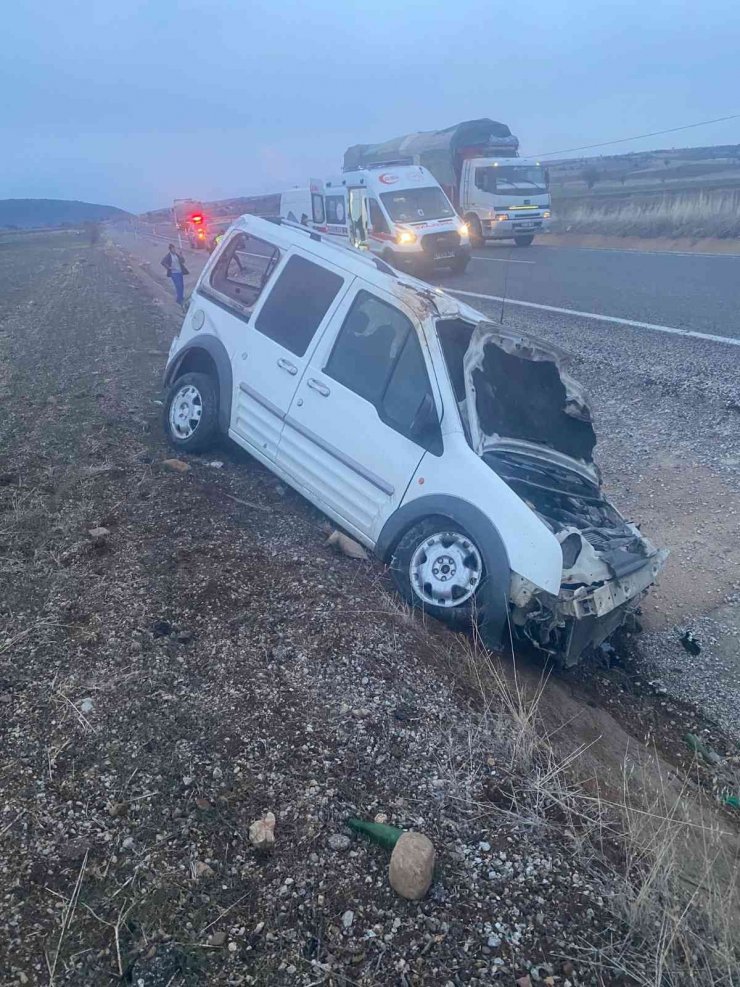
(174, 263)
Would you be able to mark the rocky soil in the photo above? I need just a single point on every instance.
(207, 658)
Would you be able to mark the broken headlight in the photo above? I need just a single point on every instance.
(571, 548)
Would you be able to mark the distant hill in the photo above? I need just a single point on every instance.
(647, 173)
(34, 213)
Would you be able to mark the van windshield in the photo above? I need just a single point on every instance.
(412, 205)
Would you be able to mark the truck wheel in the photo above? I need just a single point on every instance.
(475, 230)
(191, 412)
(524, 241)
(438, 568)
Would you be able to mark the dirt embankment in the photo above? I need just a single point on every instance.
(209, 658)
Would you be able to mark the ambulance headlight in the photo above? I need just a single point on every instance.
(464, 230)
(405, 236)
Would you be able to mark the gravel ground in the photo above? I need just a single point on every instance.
(667, 414)
(164, 684)
(209, 659)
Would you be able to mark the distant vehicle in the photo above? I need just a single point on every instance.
(296, 206)
(459, 450)
(395, 211)
(499, 195)
(190, 220)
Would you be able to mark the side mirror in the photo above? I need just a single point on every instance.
(425, 418)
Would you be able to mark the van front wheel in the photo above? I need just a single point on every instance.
(475, 230)
(191, 413)
(524, 241)
(438, 568)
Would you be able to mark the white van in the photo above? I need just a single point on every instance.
(458, 450)
(398, 212)
(296, 206)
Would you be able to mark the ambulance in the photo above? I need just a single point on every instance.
(395, 211)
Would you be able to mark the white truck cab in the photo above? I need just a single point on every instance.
(397, 212)
(458, 450)
(504, 199)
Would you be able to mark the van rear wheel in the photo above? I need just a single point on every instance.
(438, 568)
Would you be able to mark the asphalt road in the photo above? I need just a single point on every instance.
(695, 292)
(685, 292)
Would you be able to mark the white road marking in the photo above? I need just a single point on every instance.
(671, 330)
(503, 260)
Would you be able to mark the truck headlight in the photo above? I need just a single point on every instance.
(405, 236)
(501, 216)
(546, 215)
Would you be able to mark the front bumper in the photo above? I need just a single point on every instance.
(581, 618)
(588, 601)
(507, 229)
(420, 260)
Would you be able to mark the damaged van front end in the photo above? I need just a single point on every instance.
(531, 424)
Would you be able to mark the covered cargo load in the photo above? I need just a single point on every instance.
(441, 151)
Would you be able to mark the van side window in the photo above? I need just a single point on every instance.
(297, 304)
(336, 211)
(243, 270)
(378, 356)
(317, 207)
(377, 219)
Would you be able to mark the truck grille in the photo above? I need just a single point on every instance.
(440, 243)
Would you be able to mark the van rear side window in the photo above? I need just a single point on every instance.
(336, 213)
(317, 207)
(298, 303)
(243, 270)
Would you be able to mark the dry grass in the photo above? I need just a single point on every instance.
(668, 884)
(687, 214)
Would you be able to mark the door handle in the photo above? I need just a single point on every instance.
(316, 385)
(287, 365)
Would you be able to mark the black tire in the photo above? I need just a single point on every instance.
(390, 258)
(475, 230)
(459, 265)
(456, 615)
(524, 241)
(204, 432)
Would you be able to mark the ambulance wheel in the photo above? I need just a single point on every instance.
(524, 241)
(475, 230)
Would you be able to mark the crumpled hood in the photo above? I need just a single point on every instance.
(519, 397)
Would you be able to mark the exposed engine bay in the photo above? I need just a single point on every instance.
(531, 423)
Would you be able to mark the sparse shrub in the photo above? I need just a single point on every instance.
(689, 214)
(591, 176)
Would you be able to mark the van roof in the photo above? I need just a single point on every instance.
(371, 269)
(386, 177)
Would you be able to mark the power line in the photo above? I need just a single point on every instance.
(624, 140)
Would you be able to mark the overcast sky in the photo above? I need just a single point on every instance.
(142, 101)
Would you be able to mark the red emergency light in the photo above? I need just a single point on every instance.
(197, 218)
